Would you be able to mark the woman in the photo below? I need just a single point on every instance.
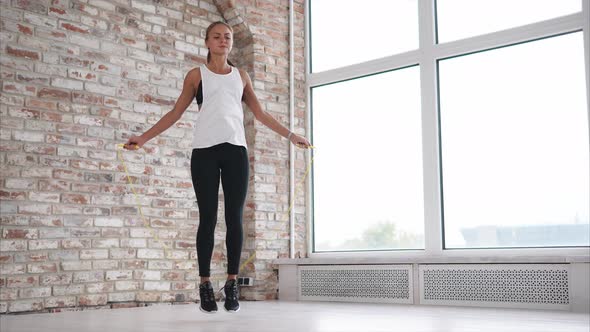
(219, 152)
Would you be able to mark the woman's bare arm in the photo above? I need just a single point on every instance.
(268, 120)
(189, 89)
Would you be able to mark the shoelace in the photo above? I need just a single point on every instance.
(233, 291)
(208, 293)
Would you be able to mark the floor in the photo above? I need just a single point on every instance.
(280, 316)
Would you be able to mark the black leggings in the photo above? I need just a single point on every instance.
(207, 165)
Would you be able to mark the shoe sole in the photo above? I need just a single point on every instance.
(207, 312)
(232, 311)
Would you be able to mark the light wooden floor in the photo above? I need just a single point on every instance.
(280, 316)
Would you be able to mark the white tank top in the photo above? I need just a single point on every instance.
(221, 117)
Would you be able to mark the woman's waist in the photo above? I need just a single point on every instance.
(217, 148)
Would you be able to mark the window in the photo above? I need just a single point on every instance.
(346, 33)
(514, 131)
(368, 163)
(459, 19)
(444, 148)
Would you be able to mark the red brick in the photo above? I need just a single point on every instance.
(75, 199)
(19, 234)
(74, 27)
(25, 29)
(41, 149)
(87, 98)
(53, 185)
(22, 281)
(13, 195)
(54, 93)
(119, 305)
(60, 302)
(45, 104)
(157, 101)
(59, 11)
(59, 35)
(76, 61)
(20, 89)
(92, 300)
(67, 174)
(22, 53)
(24, 113)
(34, 6)
(111, 102)
(5, 258)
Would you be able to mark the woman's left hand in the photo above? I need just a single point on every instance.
(300, 141)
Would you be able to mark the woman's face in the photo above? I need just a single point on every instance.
(220, 40)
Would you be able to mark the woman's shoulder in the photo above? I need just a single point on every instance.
(243, 73)
(196, 70)
(194, 74)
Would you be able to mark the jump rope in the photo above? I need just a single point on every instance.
(120, 148)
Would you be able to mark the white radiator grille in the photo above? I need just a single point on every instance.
(356, 283)
(496, 285)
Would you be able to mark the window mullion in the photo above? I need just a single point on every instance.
(586, 20)
(430, 130)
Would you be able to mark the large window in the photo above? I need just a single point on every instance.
(514, 128)
(471, 131)
(348, 32)
(457, 19)
(368, 166)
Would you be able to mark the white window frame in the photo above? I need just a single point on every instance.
(426, 57)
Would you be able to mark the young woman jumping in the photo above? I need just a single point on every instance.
(219, 152)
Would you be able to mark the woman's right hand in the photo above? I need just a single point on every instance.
(299, 141)
(134, 143)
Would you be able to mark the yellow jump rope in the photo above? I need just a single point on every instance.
(120, 148)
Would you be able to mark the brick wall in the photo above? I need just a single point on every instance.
(77, 78)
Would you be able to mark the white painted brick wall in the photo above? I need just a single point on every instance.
(76, 80)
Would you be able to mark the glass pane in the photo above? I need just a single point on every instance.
(368, 163)
(515, 146)
(458, 19)
(348, 32)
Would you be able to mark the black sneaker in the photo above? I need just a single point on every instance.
(231, 296)
(208, 304)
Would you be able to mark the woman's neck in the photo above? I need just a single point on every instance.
(219, 65)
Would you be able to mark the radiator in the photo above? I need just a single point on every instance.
(356, 283)
(532, 286)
